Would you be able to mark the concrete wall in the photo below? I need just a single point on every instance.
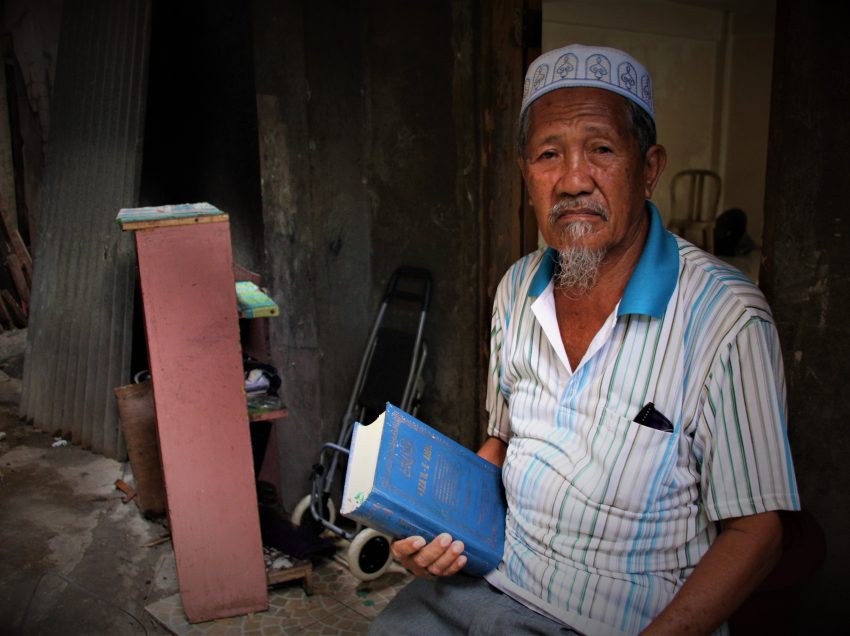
(422, 181)
(805, 277)
(367, 145)
(711, 83)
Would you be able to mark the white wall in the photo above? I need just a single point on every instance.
(711, 74)
(747, 109)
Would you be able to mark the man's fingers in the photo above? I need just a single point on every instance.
(450, 562)
(406, 547)
(441, 557)
(433, 551)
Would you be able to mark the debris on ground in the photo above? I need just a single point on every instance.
(163, 539)
(127, 489)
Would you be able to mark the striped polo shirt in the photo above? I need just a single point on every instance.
(608, 517)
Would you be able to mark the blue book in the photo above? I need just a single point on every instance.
(404, 478)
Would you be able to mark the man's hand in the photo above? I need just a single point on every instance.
(441, 557)
(494, 451)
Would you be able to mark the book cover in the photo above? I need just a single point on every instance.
(253, 302)
(160, 212)
(404, 478)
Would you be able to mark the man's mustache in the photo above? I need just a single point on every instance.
(566, 205)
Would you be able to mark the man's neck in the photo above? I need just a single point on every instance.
(580, 317)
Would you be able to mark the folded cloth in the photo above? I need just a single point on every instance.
(257, 381)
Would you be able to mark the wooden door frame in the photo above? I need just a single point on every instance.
(512, 38)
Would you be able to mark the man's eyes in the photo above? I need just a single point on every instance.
(551, 154)
(544, 156)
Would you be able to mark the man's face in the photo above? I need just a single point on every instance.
(581, 156)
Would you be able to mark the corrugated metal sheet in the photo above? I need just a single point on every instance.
(80, 329)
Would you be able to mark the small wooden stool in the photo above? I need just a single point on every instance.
(302, 569)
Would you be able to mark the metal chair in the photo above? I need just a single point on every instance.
(694, 197)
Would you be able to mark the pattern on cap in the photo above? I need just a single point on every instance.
(578, 65)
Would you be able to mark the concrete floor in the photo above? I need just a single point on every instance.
(75, 559)
(72, 555)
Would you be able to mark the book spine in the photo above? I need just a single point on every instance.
(376, 512)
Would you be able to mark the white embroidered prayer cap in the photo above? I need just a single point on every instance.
(595, 66)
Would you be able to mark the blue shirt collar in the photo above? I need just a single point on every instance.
(653, 281)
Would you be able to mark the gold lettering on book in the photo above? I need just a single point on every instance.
(447, 483)
(424, 467)
(407, 460)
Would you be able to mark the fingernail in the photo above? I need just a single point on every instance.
(457, 547)
(418, 543)
(461, 561)
(445, 539)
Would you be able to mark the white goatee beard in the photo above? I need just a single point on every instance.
(578, 270)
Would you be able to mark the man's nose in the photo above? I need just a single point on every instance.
(575, 179)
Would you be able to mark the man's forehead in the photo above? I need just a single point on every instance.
(592, 107)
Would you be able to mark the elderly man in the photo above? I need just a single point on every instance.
(636, 399)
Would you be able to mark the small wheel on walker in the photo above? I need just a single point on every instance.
(301, 515)
(369, 554)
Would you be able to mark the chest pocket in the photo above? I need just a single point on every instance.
(632, 463)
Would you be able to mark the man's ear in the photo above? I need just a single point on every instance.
(654, 164)
(520, 163)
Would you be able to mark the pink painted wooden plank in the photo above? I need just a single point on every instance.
(196, 365)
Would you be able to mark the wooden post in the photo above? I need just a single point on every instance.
(19, 260)
(508, 227)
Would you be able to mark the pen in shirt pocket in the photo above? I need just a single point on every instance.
(653, 418)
